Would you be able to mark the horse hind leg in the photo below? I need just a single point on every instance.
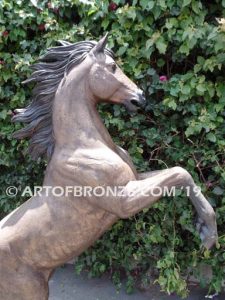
(19, 281)
(28, 286)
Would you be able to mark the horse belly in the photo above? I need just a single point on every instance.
(74, 236)
(55, 231)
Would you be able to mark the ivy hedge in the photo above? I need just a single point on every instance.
(175, 51)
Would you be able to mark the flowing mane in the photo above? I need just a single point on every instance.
(48, 73)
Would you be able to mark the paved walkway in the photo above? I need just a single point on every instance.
(65, 285)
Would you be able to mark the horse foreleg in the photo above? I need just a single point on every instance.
(146, 175)
(140, 194)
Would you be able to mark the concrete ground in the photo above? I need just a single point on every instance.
(66, 285)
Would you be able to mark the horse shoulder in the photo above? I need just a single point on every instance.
(94, 166)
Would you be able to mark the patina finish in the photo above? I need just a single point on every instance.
(63, 123)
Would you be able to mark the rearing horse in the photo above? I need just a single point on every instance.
(63, 123)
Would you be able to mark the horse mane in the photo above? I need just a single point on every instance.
(48, 73)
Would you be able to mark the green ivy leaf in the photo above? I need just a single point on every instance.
(218, 191)
(161, 45)
(186, 89)
(211, 137)
(3, 114)
(170, 102)
(186, 3)
(201, 88)
(148, 5)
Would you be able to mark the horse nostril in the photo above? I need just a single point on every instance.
(135, 102)
(141, 102)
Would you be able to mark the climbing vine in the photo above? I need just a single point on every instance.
(175, 51)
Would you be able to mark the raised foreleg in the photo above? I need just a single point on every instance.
(140, 194)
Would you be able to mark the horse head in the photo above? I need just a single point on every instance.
(108, 83)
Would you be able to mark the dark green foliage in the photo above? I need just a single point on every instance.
(183, 125)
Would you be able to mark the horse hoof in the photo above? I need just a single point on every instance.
(208, 241)
(208, 234)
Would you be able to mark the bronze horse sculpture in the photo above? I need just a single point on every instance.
(63, 122)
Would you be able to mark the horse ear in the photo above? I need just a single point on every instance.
(100, 46)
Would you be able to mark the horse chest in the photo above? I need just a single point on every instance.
(95, 167)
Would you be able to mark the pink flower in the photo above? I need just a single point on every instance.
(41, 27)
(49, 5)
(163, 78)
(5, 33)
(56, 10)
(112, 6)
(209, 184)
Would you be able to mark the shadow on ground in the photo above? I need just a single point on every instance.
(65, 285)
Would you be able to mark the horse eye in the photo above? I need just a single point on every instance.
(113, 68)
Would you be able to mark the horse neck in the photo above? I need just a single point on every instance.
(76, 122)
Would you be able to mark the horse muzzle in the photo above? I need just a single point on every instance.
(137, 101)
